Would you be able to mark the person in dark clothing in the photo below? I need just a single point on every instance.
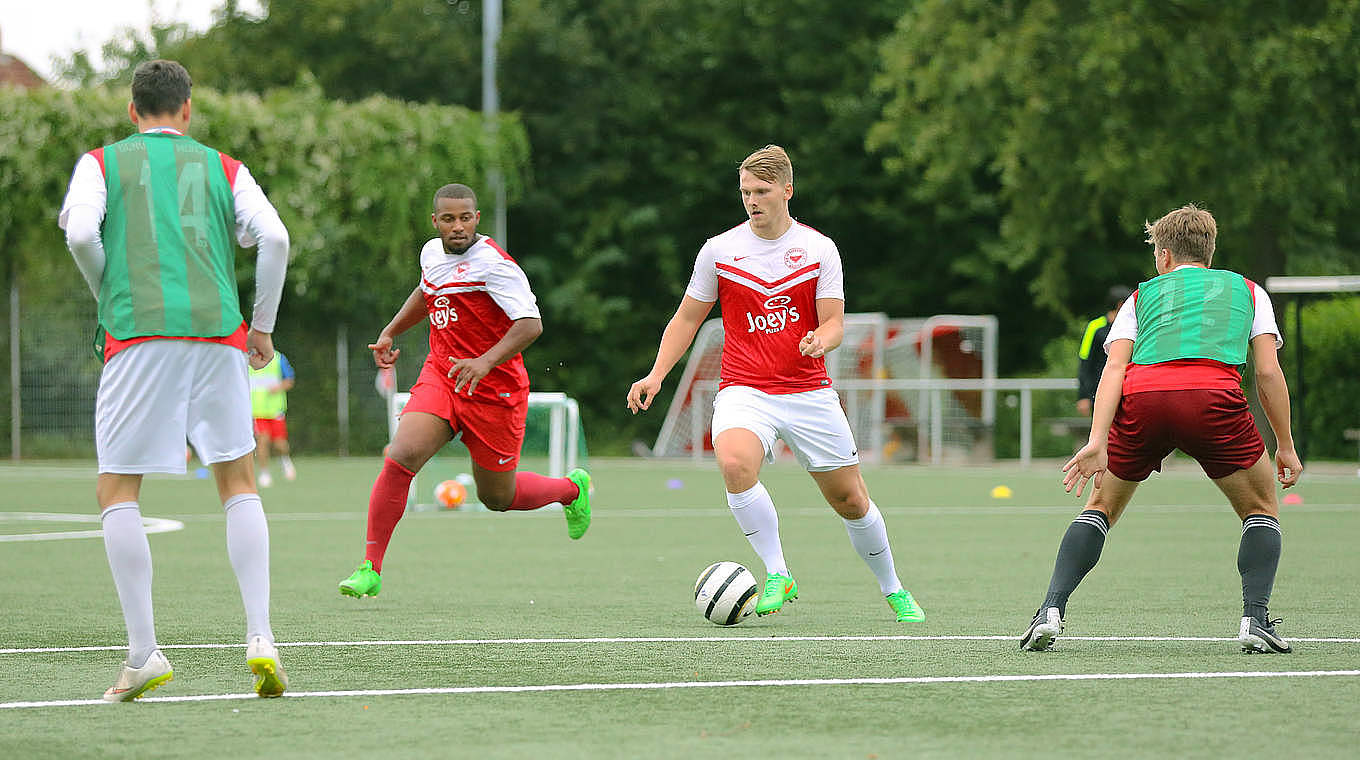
(1091, 353)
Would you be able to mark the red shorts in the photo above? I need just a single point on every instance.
(273, 428)
(492, 433)
(1214, 427)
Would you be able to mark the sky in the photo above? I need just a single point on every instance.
(37, 30)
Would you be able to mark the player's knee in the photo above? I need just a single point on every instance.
(496, 502)
(737, 470)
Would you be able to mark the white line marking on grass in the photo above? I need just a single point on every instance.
(645, 640)
(722, 512)
(152, 525)
(715, 685)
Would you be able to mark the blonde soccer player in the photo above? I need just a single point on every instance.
(783, 304)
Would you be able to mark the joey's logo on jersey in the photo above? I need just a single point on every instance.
(460, 271)
(795, 257)
(442, 312)
(778, 315)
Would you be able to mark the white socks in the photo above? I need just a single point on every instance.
(129, 556)
(248, 548)
(755, 514)
(869, 536)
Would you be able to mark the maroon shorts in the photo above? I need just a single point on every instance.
(273, 428)
(492, 433)
(1214, 427)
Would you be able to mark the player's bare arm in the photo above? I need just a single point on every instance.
(675, 340)
(1274, 392)
(470, 371)
(409, 315)
(830, 329)
(1091, 461)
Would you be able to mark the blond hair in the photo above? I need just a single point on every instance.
(1188, 232)
(770, 164)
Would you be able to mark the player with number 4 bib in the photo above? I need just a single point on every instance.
(482, 315)
(783, 308)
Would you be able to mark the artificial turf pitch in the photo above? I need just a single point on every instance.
(496, 636)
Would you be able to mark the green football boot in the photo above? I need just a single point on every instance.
(778, 589)
(906, 608)
(578, 512)
(364, 582)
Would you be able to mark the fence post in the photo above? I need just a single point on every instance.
(15, 405)
(342, 385)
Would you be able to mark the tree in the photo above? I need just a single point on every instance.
(1058, 127)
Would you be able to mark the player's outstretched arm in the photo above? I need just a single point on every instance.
(1091, 461)
(675, 340)
(1274, 392)
(408, 316)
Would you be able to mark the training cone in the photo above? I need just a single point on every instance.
(1001, 492)
(1293, 498)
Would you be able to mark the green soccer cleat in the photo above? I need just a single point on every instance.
(364, 582)
(578, 512)
(906, 608)
(778, 589)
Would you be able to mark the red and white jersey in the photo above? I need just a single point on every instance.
(472, 299)
(768, 291)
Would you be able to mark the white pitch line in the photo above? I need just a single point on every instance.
(715, 685)
(151, 524)
(647, 640)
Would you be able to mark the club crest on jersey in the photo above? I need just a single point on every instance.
(442, 312)
(460, 271)
(795, 257)
(778, 315)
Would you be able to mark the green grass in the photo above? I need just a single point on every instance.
(978, 566)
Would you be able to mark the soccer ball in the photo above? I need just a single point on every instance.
(725, 593)
(450, 494)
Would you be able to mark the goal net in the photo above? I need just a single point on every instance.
(889, 423)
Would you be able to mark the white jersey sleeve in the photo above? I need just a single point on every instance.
(251, 203)
(1125, 325)
(830, 276)
(508, 286)
(1264, 320)
(703, 283)
(87, 189)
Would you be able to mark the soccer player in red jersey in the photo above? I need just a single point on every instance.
(482, 315)
(783, 306)
(1172, 380)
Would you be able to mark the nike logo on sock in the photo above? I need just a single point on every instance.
(880, 551)
(752, 533)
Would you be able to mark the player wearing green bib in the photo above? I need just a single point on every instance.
(152, 222)
(1173, 381)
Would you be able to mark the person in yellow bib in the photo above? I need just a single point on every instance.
(269, 388)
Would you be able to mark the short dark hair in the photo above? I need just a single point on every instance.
(455, 191)
(160, 87)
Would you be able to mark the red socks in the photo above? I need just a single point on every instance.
(533, 491)
(386, 505)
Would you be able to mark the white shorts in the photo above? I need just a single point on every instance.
(155, 396)
(811, 423)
